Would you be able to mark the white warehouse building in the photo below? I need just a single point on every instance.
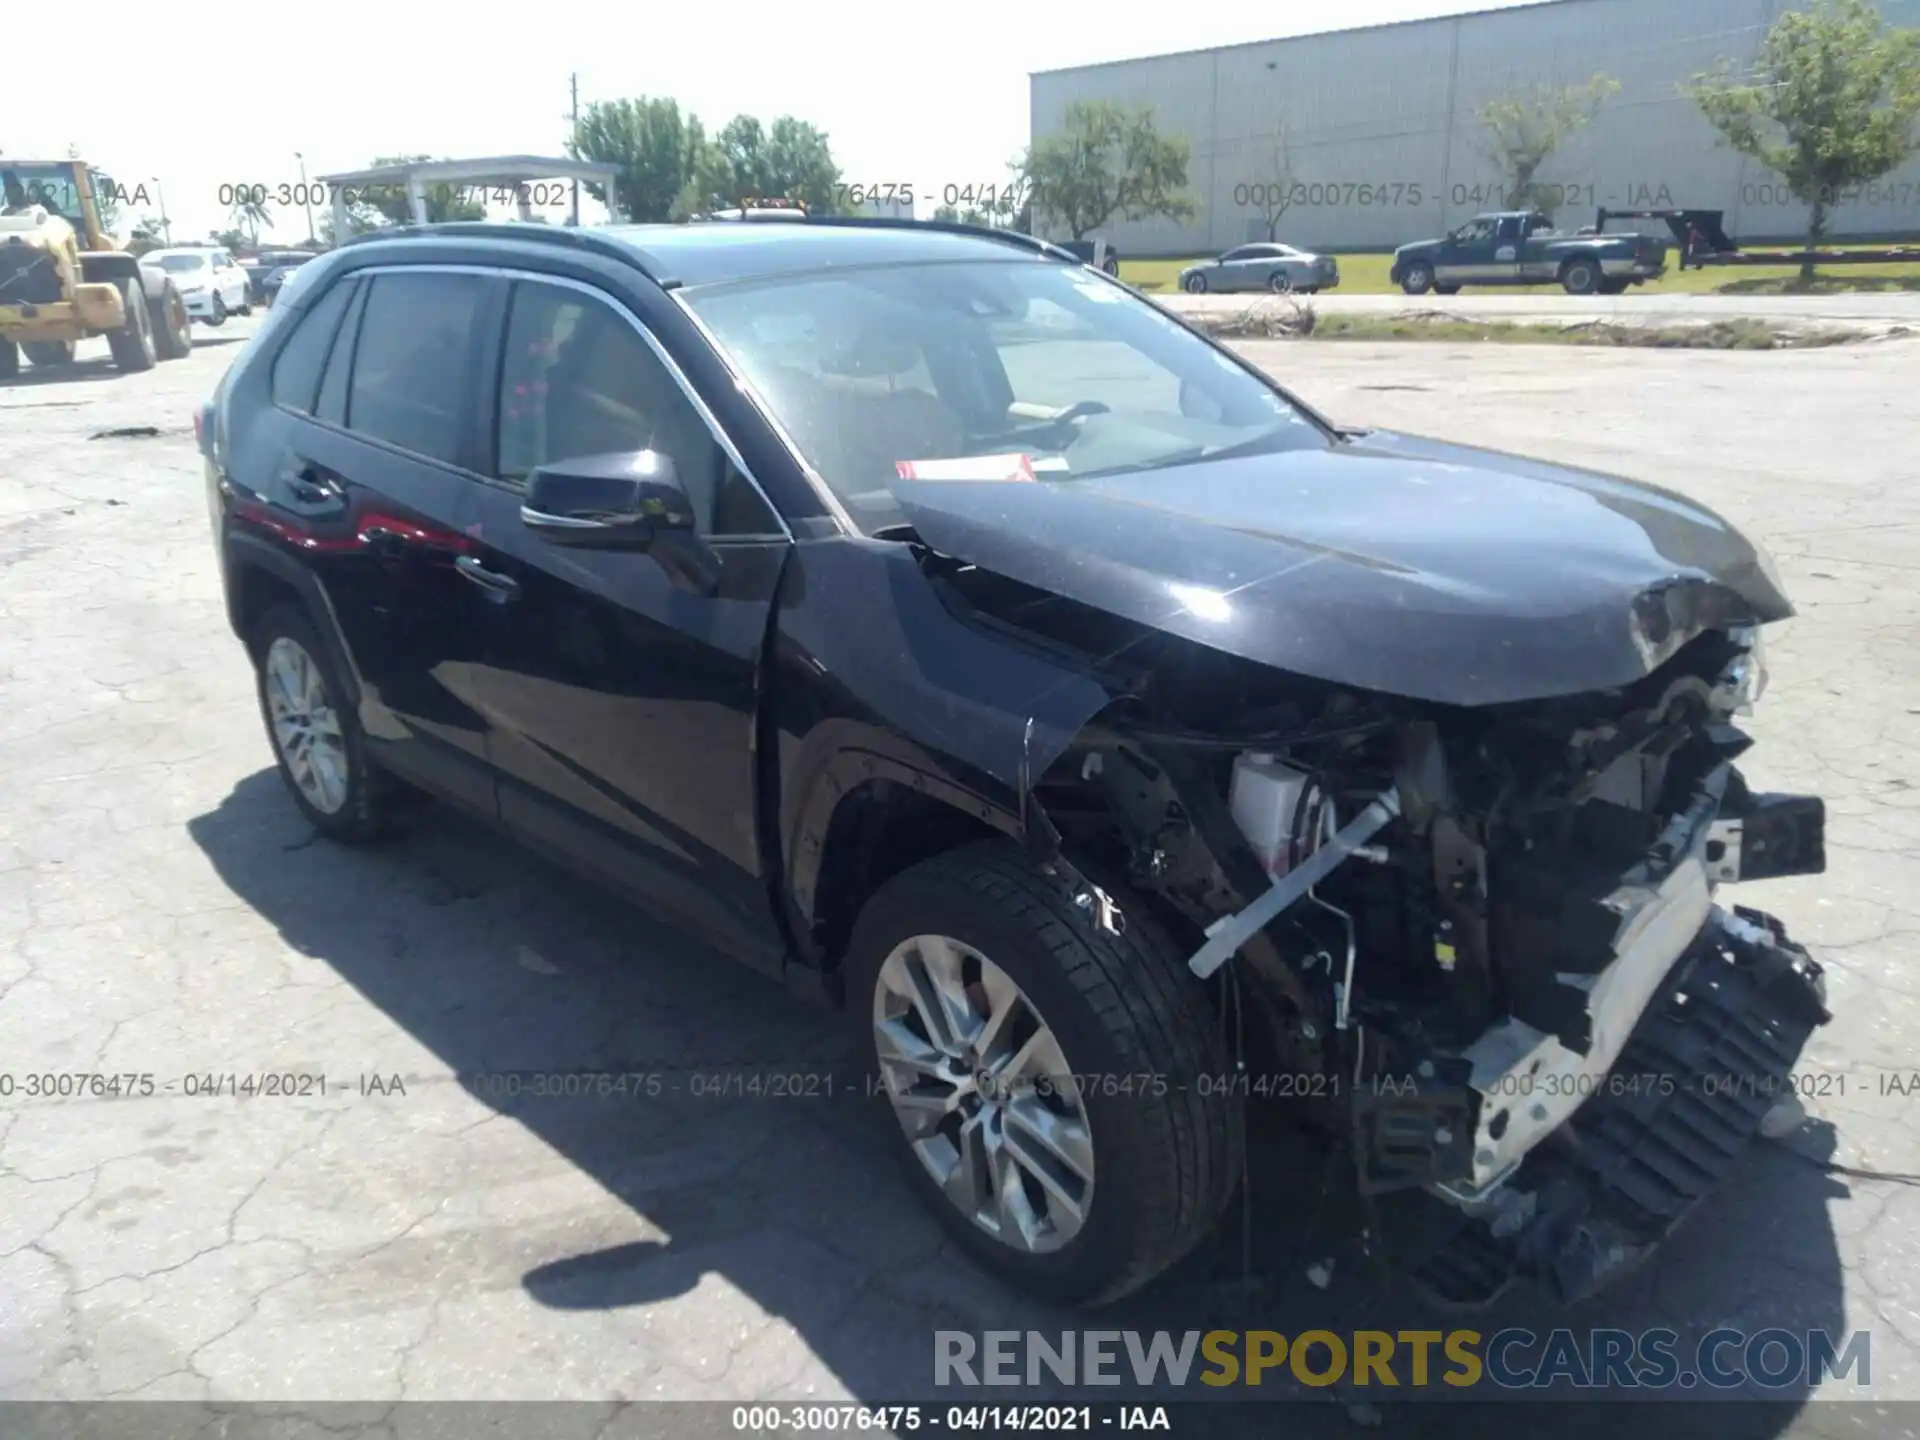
(1384, 144)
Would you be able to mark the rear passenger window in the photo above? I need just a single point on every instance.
(410, 369)
(296, 373)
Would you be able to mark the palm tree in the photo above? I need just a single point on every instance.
(252, 216)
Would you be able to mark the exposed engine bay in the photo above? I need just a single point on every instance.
(1482, 943)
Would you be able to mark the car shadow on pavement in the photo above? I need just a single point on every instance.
(501, 963)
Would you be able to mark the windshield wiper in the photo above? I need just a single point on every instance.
(1253, 445)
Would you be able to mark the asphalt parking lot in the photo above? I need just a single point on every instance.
(164, 912)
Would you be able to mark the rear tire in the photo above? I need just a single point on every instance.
(45, 354)
(1417, 279)
(1580, 276)
(1279, 283)
(172, 330)
(314, 732)
(132, 343)
(1161, 1160)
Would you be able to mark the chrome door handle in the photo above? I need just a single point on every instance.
(500, 587)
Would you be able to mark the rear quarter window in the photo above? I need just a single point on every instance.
(302, 359)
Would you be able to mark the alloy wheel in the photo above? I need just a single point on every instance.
(306, 729)
(983, 1092)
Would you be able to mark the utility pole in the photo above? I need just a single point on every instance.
(306, 196)
(573, 130)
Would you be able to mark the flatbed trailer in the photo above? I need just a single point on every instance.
(1704, 241)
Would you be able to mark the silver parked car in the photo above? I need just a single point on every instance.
(1262, 266)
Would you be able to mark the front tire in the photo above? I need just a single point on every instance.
(218, 314)
(1417, 279)
(172, 329)
(1279, 283)
(132, 344)
(314, 732)
(1196, 284)
(983, 992)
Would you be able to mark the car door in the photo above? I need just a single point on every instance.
(1508, 237)
(1536, 263)
(1237, 269)
(620, 705)
(1467, 257)
(379, 471)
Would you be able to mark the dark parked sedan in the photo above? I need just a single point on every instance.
(961, 640)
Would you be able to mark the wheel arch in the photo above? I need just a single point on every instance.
(869, 807)
(259, 578)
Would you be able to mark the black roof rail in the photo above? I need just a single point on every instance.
(579, 238)
(950, 227)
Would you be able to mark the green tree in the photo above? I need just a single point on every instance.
(947, 213)
(1526, 125)
(1108, 160)
(235, 239)
(790, 159)
(1831, 104)
(659, 151)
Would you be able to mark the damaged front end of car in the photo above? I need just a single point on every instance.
(1489, 938)
(1481, 942)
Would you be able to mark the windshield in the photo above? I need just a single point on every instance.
(179, 264)
(869, 370)
(50, 186)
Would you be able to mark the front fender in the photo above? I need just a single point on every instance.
(873, 676)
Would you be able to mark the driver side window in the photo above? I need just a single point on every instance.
(578, 379)
(1476, 231)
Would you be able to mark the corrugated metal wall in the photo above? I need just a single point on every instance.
(1386, 146)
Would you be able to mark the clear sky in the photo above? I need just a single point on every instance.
(926, 94)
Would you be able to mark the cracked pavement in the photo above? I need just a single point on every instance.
(164, 913)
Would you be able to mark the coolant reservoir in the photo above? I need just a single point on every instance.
(1264, 799)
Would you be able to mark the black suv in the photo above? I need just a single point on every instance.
(959, 638)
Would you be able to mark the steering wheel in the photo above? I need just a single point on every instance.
(1079, 410)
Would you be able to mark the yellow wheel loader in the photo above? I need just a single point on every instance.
(63, 278)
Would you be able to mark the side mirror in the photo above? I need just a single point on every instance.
(607, 502)
(631, 501)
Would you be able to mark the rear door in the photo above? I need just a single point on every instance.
(1507, 242)
(621, 708)
(384, 465)
(1538, 264)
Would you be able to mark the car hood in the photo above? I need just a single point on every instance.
(1388, 563)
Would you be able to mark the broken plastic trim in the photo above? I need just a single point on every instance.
(1227, 934)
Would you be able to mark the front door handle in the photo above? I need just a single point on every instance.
(501, 588)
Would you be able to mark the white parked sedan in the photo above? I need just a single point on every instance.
(1262, 266)
(209, 280)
